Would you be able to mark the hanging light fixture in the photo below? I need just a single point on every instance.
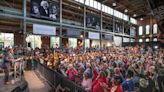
(114, 4)
(126, 10)
(134, 15)
(141, 18)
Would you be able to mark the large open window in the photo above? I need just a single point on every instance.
(140, 31)
(7, 39)
(147, 29)
(155, 28)
(73, 42)
(34, 41)
(54, 42)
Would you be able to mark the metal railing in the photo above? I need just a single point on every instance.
(56, 79)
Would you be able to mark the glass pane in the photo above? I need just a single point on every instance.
(106, 9)
(103, 8)
(73, 42)
(55, 41)
(111, 11)
(155, 29)
(87, 43)
(87, 2)
(8, 39)
(115, 13)
(1, 37)
(99, 6)
(37, 42)
(140, 30)
(34, 40)
(81, 1)
(95, 5)
(91, 3)
(147, 29)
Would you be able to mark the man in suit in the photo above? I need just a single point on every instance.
(44, 9)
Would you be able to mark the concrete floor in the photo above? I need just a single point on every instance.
(35, 84)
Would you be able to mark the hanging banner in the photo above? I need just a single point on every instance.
(45, 9)
(44, 29)
(93, 35)
(73, 33)
(93, 21)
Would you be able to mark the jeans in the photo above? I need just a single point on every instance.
(6, 71)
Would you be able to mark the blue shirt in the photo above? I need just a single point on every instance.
(128, 85)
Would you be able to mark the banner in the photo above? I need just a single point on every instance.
(107, 37)
(93, 35)
(45, 9)
(93, 21)
(73, 33)
(44, 29)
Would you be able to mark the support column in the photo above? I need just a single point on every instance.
(60, 35)
(84, 37)
(101, 28)
(24, 23)
(113, 24)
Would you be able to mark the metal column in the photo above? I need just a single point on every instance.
(113, 24)
(60, 35)
(84, 27)
(101, 28)
(24, 23)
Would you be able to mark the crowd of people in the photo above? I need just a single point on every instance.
(111, 69)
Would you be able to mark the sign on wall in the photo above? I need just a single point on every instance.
(93, 35)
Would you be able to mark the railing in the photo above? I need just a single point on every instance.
(56, 79)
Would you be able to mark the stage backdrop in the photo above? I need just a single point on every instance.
(45, 9)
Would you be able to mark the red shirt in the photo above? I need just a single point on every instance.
(96, 85)
(71, 74)
(117, 88)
